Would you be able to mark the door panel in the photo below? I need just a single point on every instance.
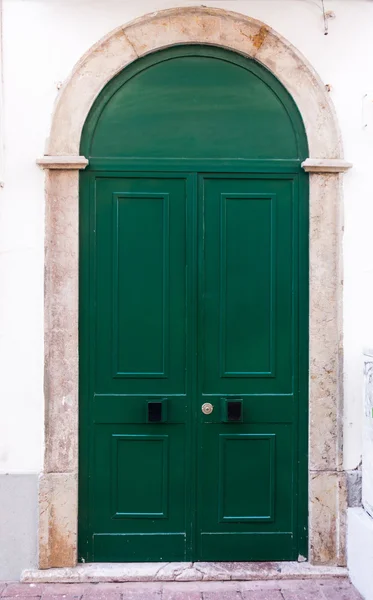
(247, 341)
(141, 293)
(139, 492)
(248, 264)
(139, 354)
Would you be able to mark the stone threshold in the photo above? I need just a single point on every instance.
(181, 571)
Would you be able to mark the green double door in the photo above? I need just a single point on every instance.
(193, 295)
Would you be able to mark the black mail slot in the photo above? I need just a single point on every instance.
(232, 410)
(157, 411)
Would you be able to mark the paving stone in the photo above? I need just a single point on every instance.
(16, 590)
(340, 593)
(223, 594)
(248, 586)
(303, 584)
(183, 587)
(173, 594)
(66, 589)
(141, 594)
(19, 597)
(301, 594)
(101, 595)
(97, 590)
(337, 583)
(104, 588)
(296, 589)
(62, 597)
(154, 586)
(262, 595)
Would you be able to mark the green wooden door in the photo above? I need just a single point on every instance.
(193, 315)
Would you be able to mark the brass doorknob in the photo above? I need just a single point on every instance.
(207, 408)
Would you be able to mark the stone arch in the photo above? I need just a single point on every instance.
(196, 25)
(59, 480)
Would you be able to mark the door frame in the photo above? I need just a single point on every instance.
(58, 489)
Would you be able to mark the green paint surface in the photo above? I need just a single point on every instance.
(193, 289)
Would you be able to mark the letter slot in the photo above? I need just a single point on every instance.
(156, 410)
(232, 410)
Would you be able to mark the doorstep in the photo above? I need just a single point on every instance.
(181, 571)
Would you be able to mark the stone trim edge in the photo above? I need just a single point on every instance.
(310, 165)
(326, 165)
(62, 162)
(181, 571)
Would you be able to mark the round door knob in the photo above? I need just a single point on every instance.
(207, 408)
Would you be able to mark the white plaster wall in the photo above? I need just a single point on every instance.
(360, 535)
(42, 40)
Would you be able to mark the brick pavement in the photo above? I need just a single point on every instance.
(300, 589)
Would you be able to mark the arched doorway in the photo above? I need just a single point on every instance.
(58, 489)
(193, 314)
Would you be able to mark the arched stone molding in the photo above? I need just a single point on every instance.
(230, 30)
(58, 482)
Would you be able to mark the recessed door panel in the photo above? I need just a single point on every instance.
(141, 287)
(141, 319)
(248, 269)
(138, 492)
(246, 457)
(134, 496)
(246, 319)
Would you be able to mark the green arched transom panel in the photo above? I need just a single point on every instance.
(194, 102)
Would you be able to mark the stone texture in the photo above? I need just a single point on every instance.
(327, 518)
(304, 595)
(170, 27)
(58, 501)
(58, 485)
(354, 490)
(67, 597)
(15, 590)
(263, 595)
(142, 595)
(325, 437)
(61, 322)
(194, 572)
(310, 589)
(20, 597)
(71, 589)
(105, 595)
(326, 165)
(223, 595)
(309, 93)
(62, 162)
(294, 594)
(170, 594)
(100, 64)
(98, 590)
(58, 516)
(261, 586)
(340, 593)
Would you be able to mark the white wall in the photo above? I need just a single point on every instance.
(42, 40)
